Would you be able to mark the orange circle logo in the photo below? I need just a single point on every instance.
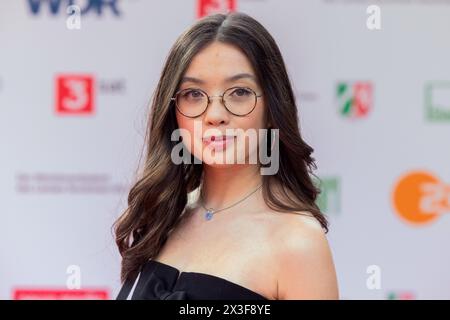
(419, 197)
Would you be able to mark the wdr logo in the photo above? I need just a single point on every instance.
(56, 7)
(75, 94)
(355, 99)
(419, 197)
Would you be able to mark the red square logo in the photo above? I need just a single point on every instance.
(207, 7)
(75, 94)
(59, 294)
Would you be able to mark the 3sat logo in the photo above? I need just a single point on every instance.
(74, 94)
(208, 7)
(59, 294)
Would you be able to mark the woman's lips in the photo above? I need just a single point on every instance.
(218, 143)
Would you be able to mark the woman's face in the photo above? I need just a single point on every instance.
(214, 69)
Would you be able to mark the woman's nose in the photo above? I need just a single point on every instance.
(216, 111)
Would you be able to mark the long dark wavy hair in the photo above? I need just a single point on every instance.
(158, 198)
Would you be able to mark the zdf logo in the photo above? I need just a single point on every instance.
(419, 197)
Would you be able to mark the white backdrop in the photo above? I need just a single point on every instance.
(374, 104)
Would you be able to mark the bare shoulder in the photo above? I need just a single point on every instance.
(305, 267)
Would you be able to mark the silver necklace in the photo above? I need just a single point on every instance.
(211, 212)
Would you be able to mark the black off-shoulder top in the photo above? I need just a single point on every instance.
(160, 281)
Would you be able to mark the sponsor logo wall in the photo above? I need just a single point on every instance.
(76, 78)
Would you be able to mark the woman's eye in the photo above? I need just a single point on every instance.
(241, 92)
(192, 94)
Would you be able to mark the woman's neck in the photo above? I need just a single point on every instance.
(225, 186)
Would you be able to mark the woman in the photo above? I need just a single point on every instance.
(244, 234)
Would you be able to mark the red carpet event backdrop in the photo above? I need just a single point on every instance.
(372, 82)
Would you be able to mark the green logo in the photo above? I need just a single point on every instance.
(437, 101)
(329, 200)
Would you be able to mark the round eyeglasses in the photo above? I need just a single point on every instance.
(239, 101)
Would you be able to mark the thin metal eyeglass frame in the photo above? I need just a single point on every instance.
(174, 98)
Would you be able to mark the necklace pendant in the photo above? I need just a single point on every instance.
(208, 215)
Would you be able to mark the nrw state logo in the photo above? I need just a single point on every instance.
(354, 99)
(420, 197)
(207, 7)
(74, 94)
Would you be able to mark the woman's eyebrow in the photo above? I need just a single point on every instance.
(230, 79)
(241, 76)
